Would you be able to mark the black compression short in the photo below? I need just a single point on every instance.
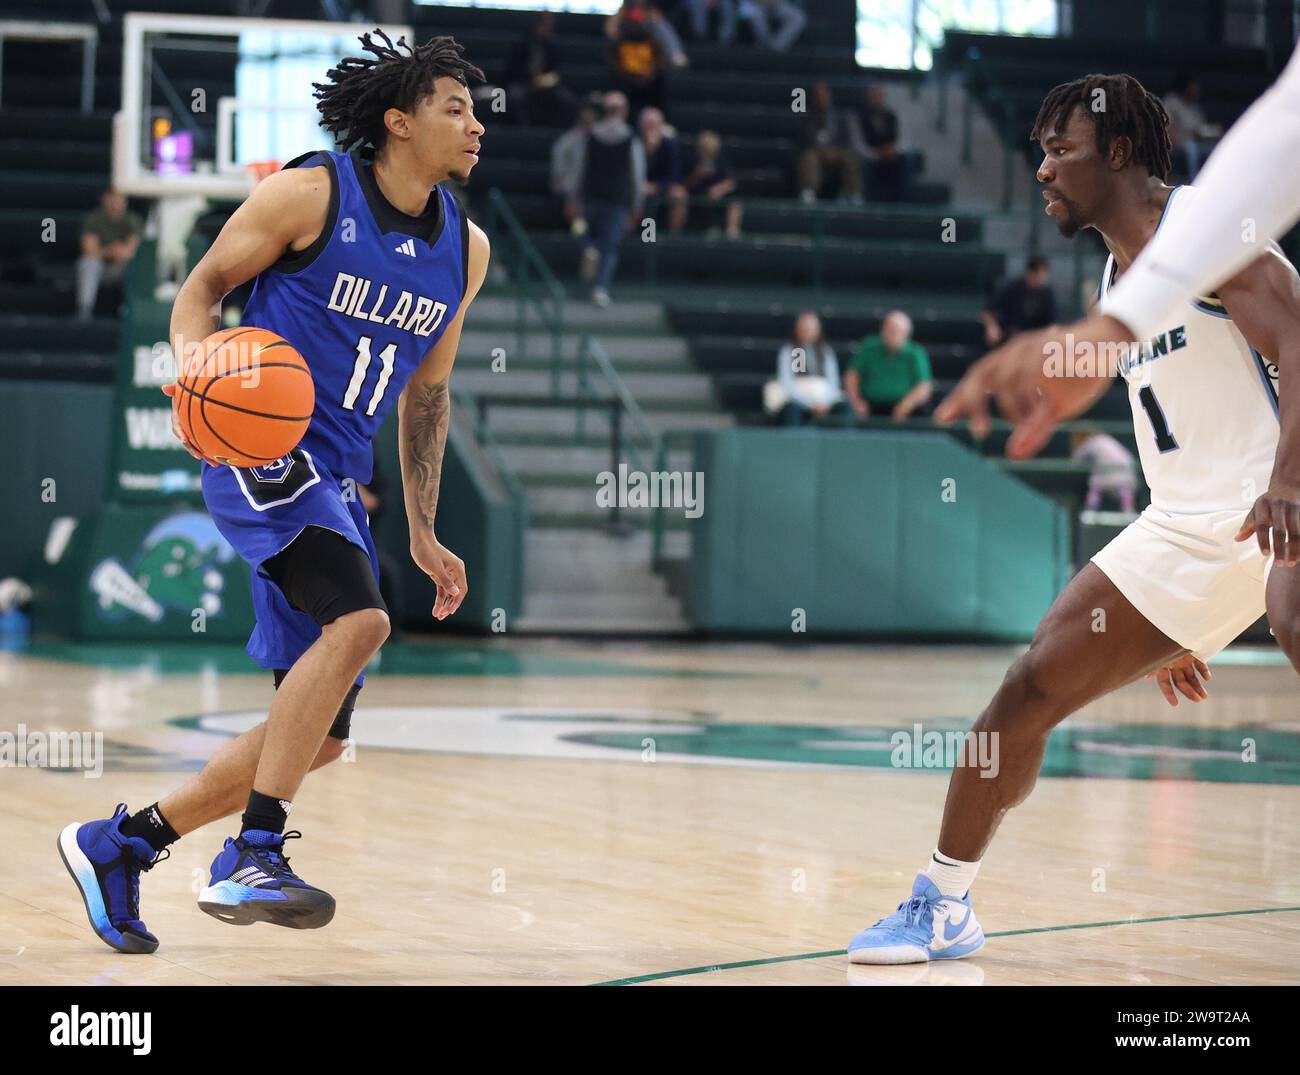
(324, 575)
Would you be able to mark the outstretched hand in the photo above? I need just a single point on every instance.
(1039, 380)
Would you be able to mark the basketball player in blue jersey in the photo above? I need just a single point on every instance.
(366, 265)
(1215, 396)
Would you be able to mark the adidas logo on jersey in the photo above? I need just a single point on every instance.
(407, 248)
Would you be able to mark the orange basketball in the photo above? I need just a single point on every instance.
(248, 399)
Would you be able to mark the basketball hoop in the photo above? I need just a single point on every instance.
(259, 170)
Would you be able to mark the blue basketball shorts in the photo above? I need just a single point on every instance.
(260, 511)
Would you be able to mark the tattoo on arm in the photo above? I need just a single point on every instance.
(428, 412)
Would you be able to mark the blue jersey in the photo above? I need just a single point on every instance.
(363, 304)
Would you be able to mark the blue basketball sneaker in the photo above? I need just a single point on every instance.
(251, 882)
(928, 926)
(106, 866)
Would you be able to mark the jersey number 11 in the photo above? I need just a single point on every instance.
(388, 356)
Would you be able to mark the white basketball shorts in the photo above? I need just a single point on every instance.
(1187, 576)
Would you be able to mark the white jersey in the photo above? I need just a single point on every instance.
(1204, 404)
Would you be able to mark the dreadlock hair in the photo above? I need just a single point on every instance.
(361, 89)
(1119, 107)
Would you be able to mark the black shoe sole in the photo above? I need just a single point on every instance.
(291, 916)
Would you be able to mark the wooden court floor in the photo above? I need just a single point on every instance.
(521, 812)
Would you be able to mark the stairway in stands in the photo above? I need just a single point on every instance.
(583, 574)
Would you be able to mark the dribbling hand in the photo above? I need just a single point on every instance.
(173, 391)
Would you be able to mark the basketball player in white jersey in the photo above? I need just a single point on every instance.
(1176, 586)
(1247, 196)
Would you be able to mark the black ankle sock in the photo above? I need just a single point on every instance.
(265, 812)
(149, 824)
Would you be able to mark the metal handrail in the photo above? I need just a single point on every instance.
(533, 281)
(491, 445)
(591, 350)
(536, 285)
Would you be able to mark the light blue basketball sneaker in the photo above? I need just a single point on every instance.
(928, 926)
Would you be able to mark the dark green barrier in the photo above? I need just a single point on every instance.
(53, 439)
(868, 533)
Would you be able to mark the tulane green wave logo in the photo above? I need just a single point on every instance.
(177, 567)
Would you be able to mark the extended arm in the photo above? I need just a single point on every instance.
(286, 211)
(423, 414)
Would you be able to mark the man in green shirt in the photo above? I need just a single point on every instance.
(889, 372)
(110, 237)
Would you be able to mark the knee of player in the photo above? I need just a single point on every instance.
(1286, 629)
(367, 629)
(1030, 680)
(330, 750)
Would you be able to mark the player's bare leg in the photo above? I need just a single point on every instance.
(311, 694)
(275, 756)
(1092, 641)
(1282, 599)
(250, 878)
(222, 788)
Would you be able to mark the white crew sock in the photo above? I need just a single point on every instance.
(951, 876)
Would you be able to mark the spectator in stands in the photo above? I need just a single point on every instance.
(774, 23)
(825, 144)
(610, 192)
(1023, 303)
(702, 12)
(711, 177)
(535, 92)
(636, 59)
(663, 166)
(110, 236)
(566, 164)
(873, 130)
(807, 384)
(890, 372)
(1114, 470)
(661, 29)
(1192, 135)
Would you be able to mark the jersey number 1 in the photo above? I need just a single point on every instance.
(1164, 439)
(388, 356)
